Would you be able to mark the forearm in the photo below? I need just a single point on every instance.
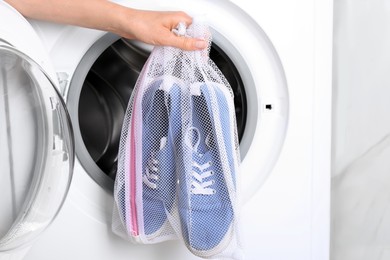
(97, 14)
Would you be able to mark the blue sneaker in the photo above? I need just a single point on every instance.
(158, 165)
(207, 189)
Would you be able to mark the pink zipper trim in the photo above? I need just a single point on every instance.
(133, 178)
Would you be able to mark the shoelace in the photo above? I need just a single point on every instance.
(152, 167)
(200, 172)
(198, 185)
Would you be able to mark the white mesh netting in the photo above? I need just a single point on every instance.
(178, 157)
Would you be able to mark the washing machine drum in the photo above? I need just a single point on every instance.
(36, 149)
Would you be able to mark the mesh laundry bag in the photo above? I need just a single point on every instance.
(179, 154)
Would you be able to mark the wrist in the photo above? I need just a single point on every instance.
(125, 19)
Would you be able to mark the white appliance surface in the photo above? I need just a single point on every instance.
(285, 212)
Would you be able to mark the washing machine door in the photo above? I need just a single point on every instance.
(36, 144)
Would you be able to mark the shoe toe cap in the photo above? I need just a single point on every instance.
(208, 229)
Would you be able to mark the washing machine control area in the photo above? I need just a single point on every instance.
(278, 65)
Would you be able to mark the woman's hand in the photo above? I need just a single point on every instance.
(152, 27)
(156, 28)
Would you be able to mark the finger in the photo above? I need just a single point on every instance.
(186, 43)
(190, 44)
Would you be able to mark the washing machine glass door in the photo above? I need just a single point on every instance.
(36, 149)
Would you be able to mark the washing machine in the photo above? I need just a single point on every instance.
(64, 92)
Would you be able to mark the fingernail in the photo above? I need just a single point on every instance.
(200, 44)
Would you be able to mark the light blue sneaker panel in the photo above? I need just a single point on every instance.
(159, 178)
(226, 119)
(152, 108)
(207, 218)
(201, 120)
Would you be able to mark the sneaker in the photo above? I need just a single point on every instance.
(158, 165)
(207, 186)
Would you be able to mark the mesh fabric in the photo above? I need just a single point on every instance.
(178, 160)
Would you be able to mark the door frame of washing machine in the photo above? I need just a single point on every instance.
(19, 39)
